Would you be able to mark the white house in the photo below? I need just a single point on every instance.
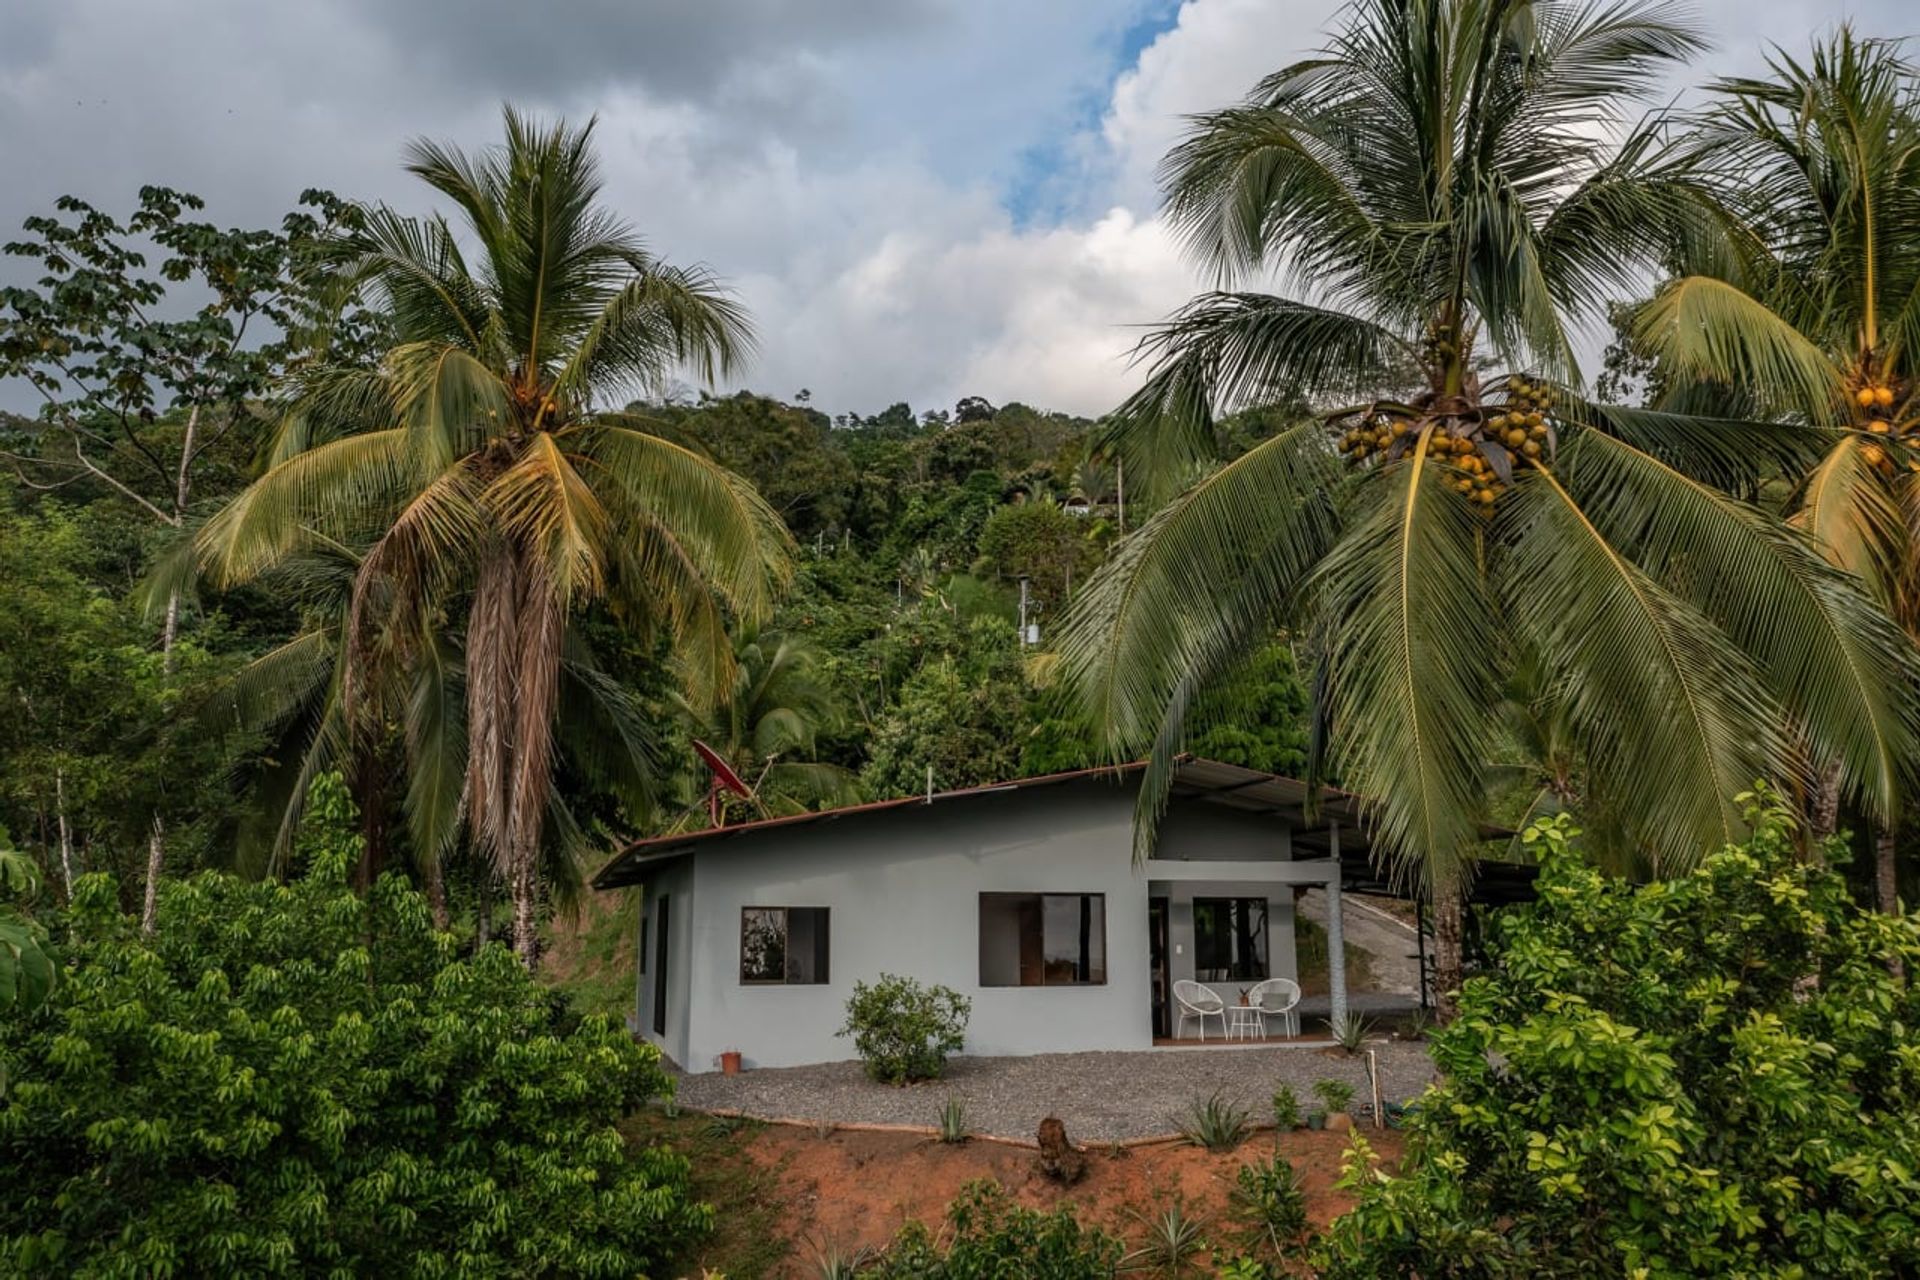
(1025, 897)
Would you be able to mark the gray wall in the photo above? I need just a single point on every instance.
(903, 890)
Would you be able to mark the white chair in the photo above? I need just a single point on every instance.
(1278, 998)
(1201, 1003)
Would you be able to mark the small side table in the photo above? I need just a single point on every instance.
(1244, 1022)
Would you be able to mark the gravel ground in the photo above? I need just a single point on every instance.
(1102, 1097)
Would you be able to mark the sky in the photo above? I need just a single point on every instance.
(917, 200)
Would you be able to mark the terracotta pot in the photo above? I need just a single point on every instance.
(730, 1063)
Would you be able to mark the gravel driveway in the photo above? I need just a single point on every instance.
(1102, 1097)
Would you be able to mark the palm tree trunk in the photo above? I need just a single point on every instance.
(1449, 957)
(513, 669)
(436, 878)
(1824, 820)
(483, 914)
(1886, 883)
(156, 854)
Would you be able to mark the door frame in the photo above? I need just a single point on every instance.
(1159, 966)
(661, 916)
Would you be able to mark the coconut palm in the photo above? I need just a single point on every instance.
(768, 723)
(408, 736)
(1810, 307)
(1438, 189)
(494, 496)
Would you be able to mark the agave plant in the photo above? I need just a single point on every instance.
(1809, 306)
(487, 480)
(1446, 188)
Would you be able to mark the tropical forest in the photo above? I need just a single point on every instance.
(1530, 467)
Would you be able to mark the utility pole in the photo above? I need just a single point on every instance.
(1023, 613)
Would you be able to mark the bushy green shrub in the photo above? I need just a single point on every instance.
(1716, 1075)
(1286, 1110)
(990, 1236)
(904, 1031)
(1269, 1206)
(290, 1079)
(1334, 1095)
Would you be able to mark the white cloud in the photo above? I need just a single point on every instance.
(851, 177)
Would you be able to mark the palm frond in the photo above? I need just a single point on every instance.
(436, 753)
(1183, 595)
(1227, 350)
(726, 529)
(1854, 521)
(1672, 713)
(328, 489)
(1415, 656)
(544, 504)
(1710, 329)
(1836, 662)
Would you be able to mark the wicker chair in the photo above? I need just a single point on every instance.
(1200, 1003)
(1278, 998)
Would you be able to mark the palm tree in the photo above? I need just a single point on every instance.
(1438, 187)
(493, 494)
(1810, 305)
(766, 724)
(408, 733)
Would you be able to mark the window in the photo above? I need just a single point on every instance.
(783, 945)
(1230, 939)
(1043, 939)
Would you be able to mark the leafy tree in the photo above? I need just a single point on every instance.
(28, 970)
(487, 486)
(956, 715)
(1710, 1076)
(1436, 174)
(93, 747)
(1810, 308)
(1257, 717)
(788, 453)
(294, 1079)
(1038, 541)
(134, 399)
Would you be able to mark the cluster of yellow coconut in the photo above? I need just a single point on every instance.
(1476, 455)
(1876, 406)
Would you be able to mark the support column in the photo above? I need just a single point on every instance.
(1336, 936)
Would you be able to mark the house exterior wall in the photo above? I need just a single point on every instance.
(673, 881)
(902, 888)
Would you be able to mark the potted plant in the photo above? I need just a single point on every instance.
(730, 1062)
(1337, 1096)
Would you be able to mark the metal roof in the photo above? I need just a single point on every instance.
(1211, 781)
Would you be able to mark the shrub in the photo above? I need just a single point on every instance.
(1270, 1207)
(989, 1236)
(904, 1031)
(1215, 1123)
(1334, 1095)
(1716, 1075)
(1286, 1109)
(293, 1079)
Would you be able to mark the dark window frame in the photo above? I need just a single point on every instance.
(1099, 914)
(822, 949)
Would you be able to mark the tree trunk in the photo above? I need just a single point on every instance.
(156, 853)
(1886, 882)
(66, 837)
(514, 633)
(1449, 959)
(436, 878)
(483, 914)
(1824, 820)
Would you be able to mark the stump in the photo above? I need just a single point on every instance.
(1060, 1159)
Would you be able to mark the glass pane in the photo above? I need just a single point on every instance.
(1074, 930)
(1009, 931)
(1230, 939)
(806, 944)
(763, 944)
